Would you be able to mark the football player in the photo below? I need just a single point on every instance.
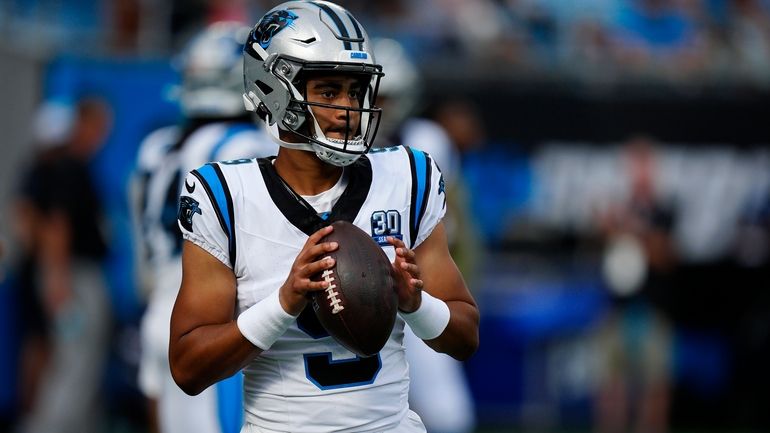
(252, 232)
(216, 127)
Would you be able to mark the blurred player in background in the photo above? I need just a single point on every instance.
(216, 127)
(438, 389)
(253, 233)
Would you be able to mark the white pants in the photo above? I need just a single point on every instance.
(438, 389)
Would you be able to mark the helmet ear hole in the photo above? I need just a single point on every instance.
(264, 87)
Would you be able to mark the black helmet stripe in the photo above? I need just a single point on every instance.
(358, 32)
(338, 22)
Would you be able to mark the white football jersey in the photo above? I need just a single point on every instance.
(243, 214)
(163, 163)
(165, 157)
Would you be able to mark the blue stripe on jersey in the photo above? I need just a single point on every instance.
(231, 132)
(421, 172)
(211, 178)
(215, 185)
(419, 166)
(230, 403)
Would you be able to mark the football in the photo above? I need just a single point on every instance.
(359, 307)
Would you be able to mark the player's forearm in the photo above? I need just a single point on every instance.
(460, 339)
(208, 354)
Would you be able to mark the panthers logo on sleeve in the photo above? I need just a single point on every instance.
(188, 207)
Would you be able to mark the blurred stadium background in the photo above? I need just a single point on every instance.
(616, 158)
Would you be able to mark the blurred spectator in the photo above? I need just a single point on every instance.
(462, 120)
(749, 39)
(752, 240)
(658, 38)
(616, 39)
(438, 390)
(51, 128)
(69, 247)
(126, 18)
(227, 11)
(635, 381)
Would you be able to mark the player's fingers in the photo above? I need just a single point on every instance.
(406, 253)
(320, 233)
(396, 242)
(305, 285)
(317, 266)
(311, 253)
(417, 283)
(411, 268)
(315, 286)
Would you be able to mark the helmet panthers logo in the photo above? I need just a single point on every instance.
(270, 25)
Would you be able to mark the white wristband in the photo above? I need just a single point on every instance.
(265, 321)
(430, 320)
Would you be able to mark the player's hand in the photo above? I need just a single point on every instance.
(310, 261)
(407, 275)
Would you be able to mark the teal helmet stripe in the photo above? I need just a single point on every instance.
(338, 22)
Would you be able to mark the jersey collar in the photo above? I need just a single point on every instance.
(299, 212)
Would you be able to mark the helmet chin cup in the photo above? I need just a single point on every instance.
(332, 157)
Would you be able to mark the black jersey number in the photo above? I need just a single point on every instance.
(326, 373)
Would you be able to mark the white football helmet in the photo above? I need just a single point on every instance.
(212, 72)
(298, 38)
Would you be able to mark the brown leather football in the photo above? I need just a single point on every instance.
(359, 307)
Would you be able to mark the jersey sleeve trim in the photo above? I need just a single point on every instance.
(199, 241)
(421, 167)
(214, 183)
